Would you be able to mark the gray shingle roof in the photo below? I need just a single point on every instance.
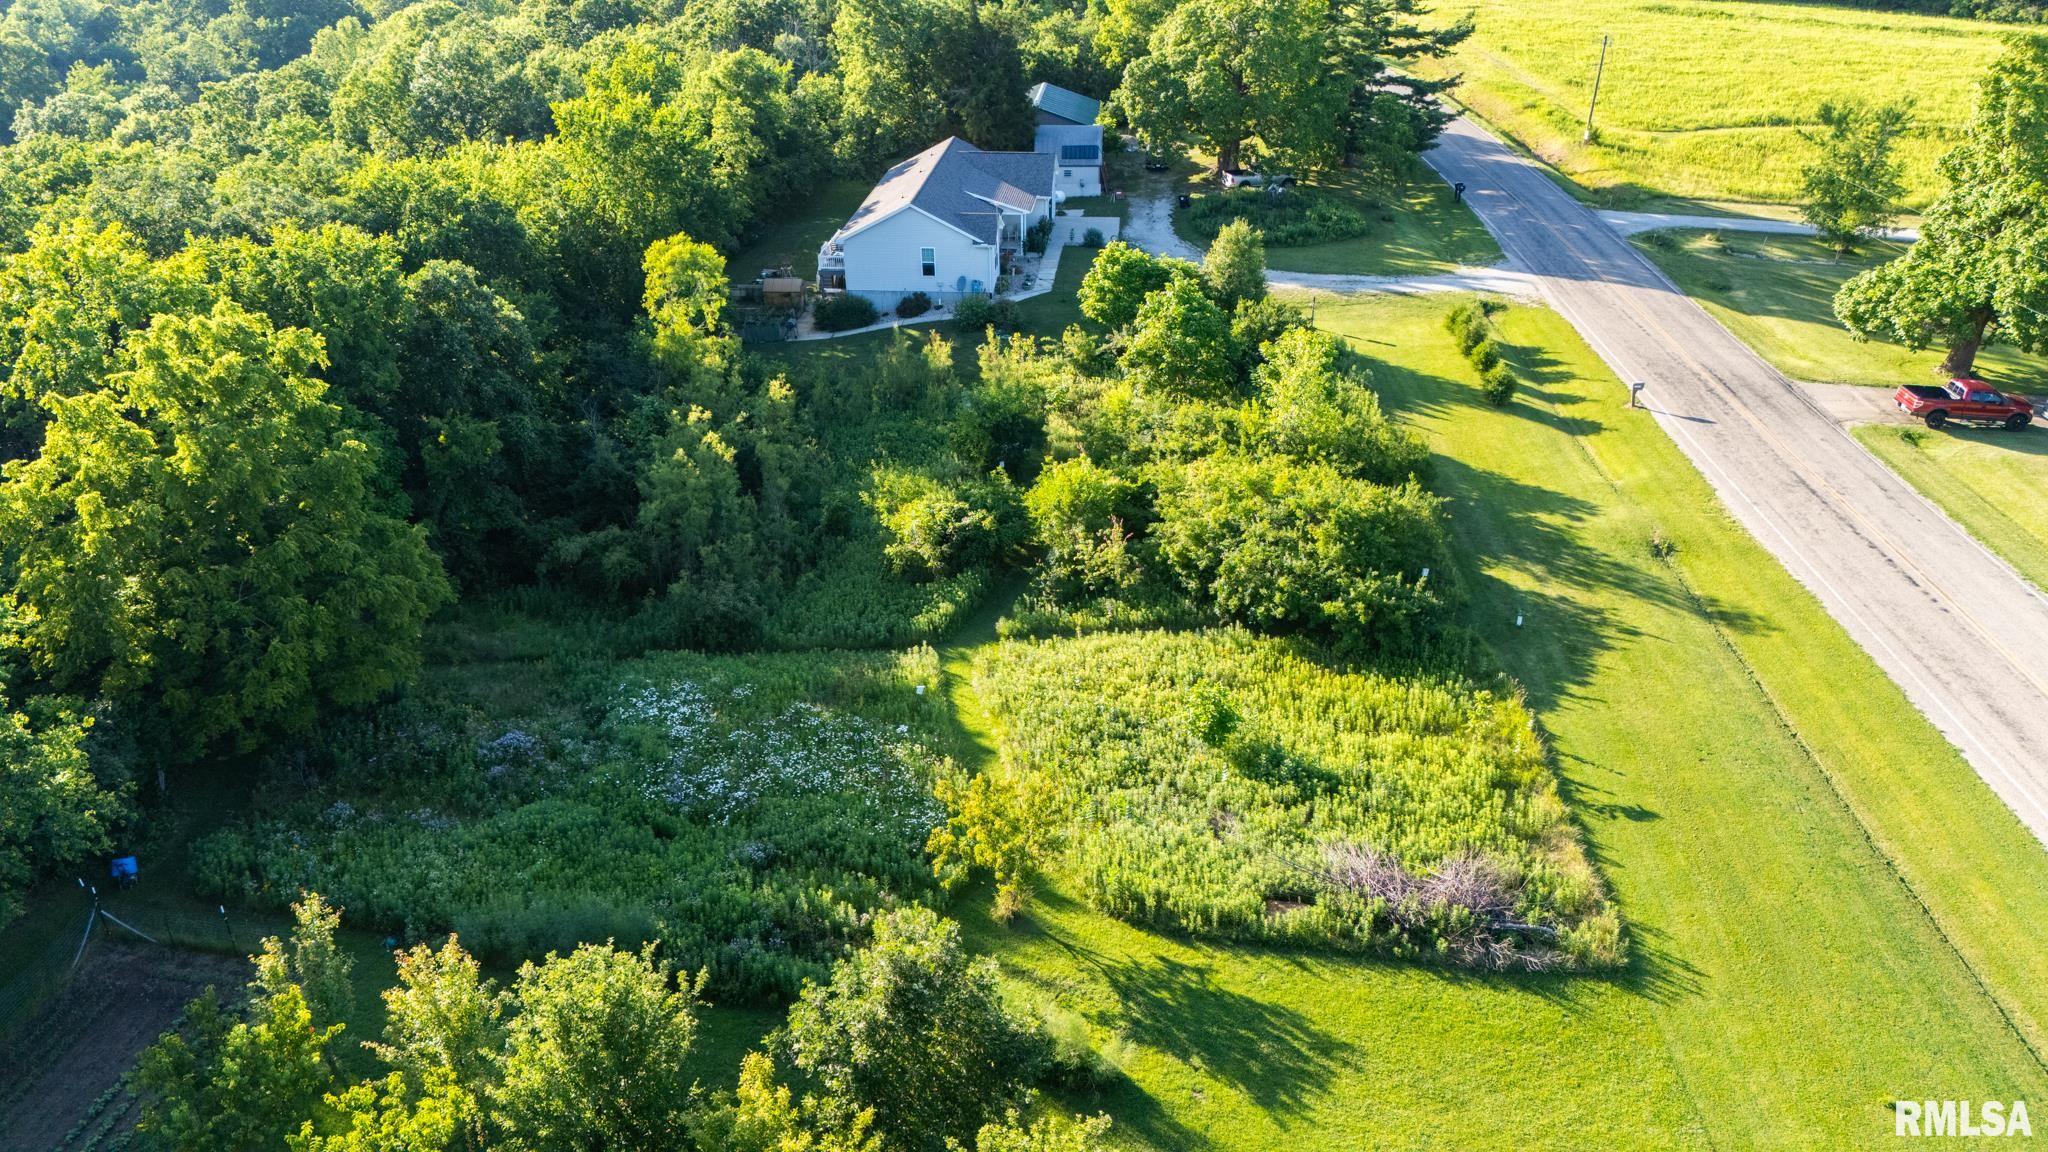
(1072, 143)
(956, 182)
(1071, 106)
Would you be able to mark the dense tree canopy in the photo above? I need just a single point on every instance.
(1978, 272)
(1304, 83)
(207, 538)
(1225, 75)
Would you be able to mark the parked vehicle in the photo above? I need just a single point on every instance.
(1244, 178)
(1964, 399)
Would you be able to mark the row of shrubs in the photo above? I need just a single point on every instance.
(1471, 325)
(846, 313)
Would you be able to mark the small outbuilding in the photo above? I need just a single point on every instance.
(1057, 105)
(782, 291)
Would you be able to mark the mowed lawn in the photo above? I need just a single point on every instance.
(1829, 910)
(1776, 293)
(1990, 482)
(1704, 100)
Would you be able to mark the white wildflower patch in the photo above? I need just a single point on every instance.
(719, 770)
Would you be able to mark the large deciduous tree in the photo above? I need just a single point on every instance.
(66, 305)
(203, 540)
(917, 70)
(1980, 270)
(1239, 79)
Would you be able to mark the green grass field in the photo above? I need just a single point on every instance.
(1821, 893)
(1776, 293)
(1989, 482)
(1703, 100)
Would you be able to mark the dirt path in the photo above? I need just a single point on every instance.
(121, 1000)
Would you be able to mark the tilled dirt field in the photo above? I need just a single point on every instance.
(123, 997)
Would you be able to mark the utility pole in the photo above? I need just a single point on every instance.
(1597, 74)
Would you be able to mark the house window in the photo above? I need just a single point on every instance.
(929, 259)
(1067, 172)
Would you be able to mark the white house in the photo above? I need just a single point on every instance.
(946, 222)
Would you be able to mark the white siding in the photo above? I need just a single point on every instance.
(1078, 180)
(883, 263)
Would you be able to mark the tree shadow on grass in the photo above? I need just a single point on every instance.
(1278, 1057)
(2024, 443)
(1505, 526)
(1275, 1055)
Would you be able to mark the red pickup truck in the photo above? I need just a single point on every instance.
(1964, 399)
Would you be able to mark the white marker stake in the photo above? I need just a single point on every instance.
(1518, 619)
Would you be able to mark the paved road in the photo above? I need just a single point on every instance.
(1963, 634)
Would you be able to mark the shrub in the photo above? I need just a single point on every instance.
(1092, 238)
(1316, 409)
(1484, 354)
(935, 530)
(1039, 237)
(979, 311)
(915, 304)
(1082, 516)
(1472, 336)
(1295, 218)
(1001, 423)
(1498, 382)
(1463, 319)
(840, 313)
(915, 1028)
(1289, 547)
